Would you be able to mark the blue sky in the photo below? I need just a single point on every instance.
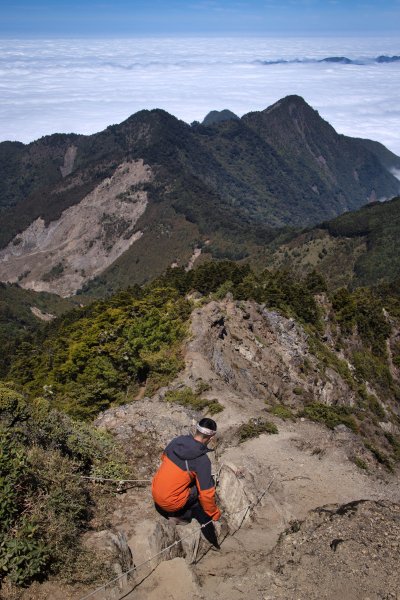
(58, 18)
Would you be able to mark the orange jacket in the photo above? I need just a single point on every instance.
(185, 462)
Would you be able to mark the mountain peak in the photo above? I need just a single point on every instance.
(290, 102)
(151, 117)
(218, 116)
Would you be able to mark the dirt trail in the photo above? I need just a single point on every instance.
(307, 475)
(310, 469)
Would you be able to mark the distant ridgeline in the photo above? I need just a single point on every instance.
(218, 116)
(339, 60)
(226, 187)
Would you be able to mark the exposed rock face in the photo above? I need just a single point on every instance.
(193, 258)
(145, 427)
(69, 160)
(62, 255)
(252, 359)
(246, 351)
(236, 490)
(113, 547)
(276, 168)
(349, 551)
(42, 315)
(150, 537)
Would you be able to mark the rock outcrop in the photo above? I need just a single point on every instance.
(255, 358)
(113, 548)
(145, 427)
(348, 551)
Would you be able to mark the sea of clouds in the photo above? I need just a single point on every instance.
(82, 86)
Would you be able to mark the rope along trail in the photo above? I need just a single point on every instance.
(113, 480)
(95, 479)
(135, 567)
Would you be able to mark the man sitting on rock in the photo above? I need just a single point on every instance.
(183, 487)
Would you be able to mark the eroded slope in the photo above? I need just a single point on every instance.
(64, 254)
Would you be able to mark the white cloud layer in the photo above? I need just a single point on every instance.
(81, 86)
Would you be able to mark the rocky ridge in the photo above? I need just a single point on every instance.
(313, 512)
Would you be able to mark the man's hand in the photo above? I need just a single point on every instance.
(217, 515)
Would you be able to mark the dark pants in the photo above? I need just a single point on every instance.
(193, 510)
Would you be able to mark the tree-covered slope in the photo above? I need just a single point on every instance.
(100, 355)
(357, 248)
(342, 175)
(380, 225)
(387, 158)
(23, 312)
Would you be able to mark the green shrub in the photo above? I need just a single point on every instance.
(373, 369)
(223, 289)
(380, 456)
(54, 273)
(330, 415)
(254, 428)
(395, 443)
(214, 407)
(23, 558)
(362, 309)
(91, 359)
(187, 397)
(361, 464)
(315, 282)
(328, 358)
(44, 503)
(280, 290)
(376, 407)
(13, 407)
(202, 386)
(283, 412)
(396, 354)
(298, 391)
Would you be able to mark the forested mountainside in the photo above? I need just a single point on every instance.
(358, 248)
(153, 189)
(21, 312)
(95, 356)
(387, 158)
